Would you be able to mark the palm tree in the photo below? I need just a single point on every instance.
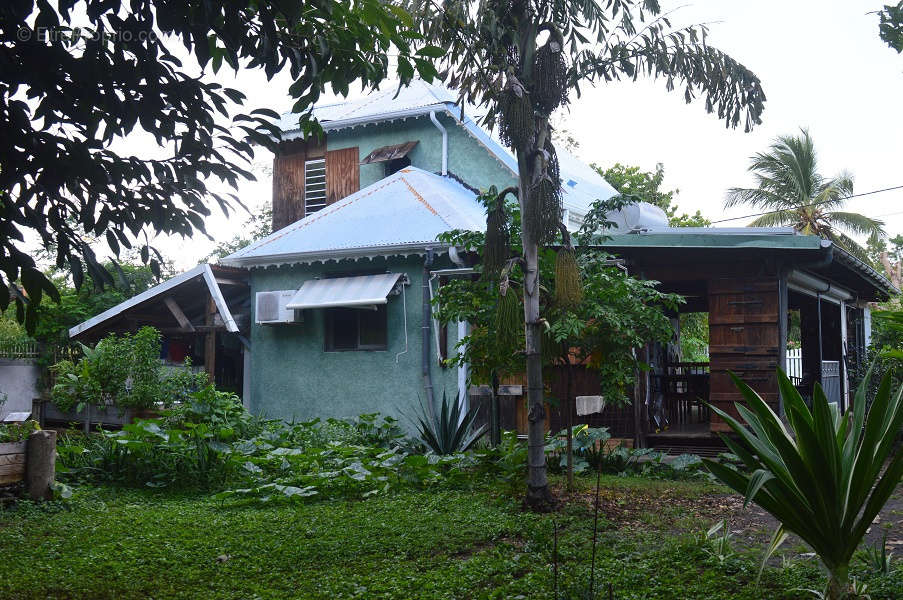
(793, 193)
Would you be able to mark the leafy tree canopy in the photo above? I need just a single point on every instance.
(79, 76)
(78, 305)
(890, 26)
(646, 186)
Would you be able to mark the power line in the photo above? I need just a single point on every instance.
(768, 212)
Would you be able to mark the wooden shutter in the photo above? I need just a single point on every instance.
(743, 338)
(343, 176)
(288, 189)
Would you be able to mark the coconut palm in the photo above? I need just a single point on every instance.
(795, 194)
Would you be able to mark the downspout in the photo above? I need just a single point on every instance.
(425, 334)
(444, 141)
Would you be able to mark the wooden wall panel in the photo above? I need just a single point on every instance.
(288, 189)
(343, 175)
(744, 338)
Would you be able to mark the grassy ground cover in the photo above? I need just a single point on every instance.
(110, 542)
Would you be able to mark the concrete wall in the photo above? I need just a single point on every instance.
(293, 377)
(19, 381)
(467, 157)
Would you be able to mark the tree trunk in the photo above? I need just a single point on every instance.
(495, 429)
(539, 497)
(838, 583)
(569, 418)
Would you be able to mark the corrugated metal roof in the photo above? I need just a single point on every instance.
(405, 211)
(374, 106)
(712, 237)
(580, 184)
(202, 271)
(362, 290)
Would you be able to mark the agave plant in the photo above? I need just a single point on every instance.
(448, 432)
(826, 478)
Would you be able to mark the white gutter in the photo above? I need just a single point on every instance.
(444, 141)
(815, 286)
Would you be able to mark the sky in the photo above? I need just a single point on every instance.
(822, 66)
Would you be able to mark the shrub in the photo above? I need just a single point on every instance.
(17, 432)
(826, 478)
(448, 431)
(124, 371)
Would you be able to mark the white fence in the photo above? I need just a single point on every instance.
(794, 364)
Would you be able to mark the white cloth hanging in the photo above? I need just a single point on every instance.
(587, 405)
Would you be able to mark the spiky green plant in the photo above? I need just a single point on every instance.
(826, 477)
(448, 432)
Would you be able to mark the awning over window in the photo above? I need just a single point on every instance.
(363, 290)
(389, 153)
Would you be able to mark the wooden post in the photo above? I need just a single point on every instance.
(210, 341)
(40, 464)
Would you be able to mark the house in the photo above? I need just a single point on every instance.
(336, 302)
(339, 321)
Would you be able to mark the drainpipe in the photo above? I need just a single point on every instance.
(444, 141)
(425, 334)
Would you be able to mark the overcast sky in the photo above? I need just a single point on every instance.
(822, 65)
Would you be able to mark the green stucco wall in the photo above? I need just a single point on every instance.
(467, 157)
(293, 377)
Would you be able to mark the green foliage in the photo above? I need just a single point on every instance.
(17, 432)
(592, 453)
(116, 74)
(885, 354)
(448, 431)
(431, 544)
(124, 371)
(694, 337)
(645, 186)
(876, 558)
(792, 193)
(890, 26)
(826, 478)
(618, 313)
(615, 314)
(718, 542)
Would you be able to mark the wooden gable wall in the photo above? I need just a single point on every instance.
(342, 177)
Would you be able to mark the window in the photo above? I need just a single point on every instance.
(356, 329)
(397, 164)
(314, 185)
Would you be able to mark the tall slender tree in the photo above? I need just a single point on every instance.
(524, 59)
(791, 192)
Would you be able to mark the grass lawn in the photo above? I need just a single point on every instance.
(477, 543)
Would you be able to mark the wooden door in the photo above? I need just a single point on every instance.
(744, 338)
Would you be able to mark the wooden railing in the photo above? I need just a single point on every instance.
(685, 386)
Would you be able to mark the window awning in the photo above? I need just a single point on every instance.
(389, 153)
(362, 290)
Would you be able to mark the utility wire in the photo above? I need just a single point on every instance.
(768, 212)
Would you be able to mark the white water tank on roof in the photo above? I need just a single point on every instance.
(641, 215)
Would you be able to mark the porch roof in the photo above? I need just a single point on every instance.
(714, 243)
(191, 288)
